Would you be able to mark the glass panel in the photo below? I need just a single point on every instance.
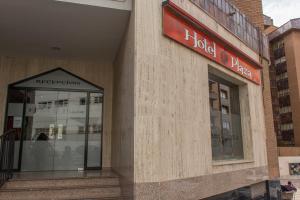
(14, 118)
(70, 131)
(225, 117)
(38, 141)
(95, 130)
(54, 131)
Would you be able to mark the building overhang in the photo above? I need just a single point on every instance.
(115, 4)
(57, 28)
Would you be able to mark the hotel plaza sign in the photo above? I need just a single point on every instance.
(189, 32)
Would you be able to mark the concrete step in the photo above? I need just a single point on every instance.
(101, 193)
(35, 184)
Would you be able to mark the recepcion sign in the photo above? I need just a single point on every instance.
(181, 30)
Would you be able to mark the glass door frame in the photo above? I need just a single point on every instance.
(87, 130)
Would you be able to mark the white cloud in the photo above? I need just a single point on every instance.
(282, 10)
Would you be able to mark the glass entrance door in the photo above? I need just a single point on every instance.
(54, 131)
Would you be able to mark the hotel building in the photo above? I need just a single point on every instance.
(144, 99)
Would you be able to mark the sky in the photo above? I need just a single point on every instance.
(281, 10)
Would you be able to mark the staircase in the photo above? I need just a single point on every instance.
(96, 186)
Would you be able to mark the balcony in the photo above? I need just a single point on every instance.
(237, 23)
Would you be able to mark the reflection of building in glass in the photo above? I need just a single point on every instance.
(66, 111)
(225, 120)
(62, 118)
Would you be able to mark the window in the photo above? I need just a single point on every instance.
(44, 104)
(283, 93)
(97, 99)
(225, 110)
(81, 130)
(280, 60)
(226, 125)
(226, 131)
(278, 45)
(284, 101)
(224, 94)
(282, 76)
(82, 101)
(49, 104)
(286, 109)
(283, 84)
(286, 127)
(61, 103)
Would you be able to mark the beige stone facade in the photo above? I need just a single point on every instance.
(171, 123)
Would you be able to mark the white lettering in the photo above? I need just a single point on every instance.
(188, 36)
(201, 43)
(235, 63)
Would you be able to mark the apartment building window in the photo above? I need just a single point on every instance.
(44, 105)
(284, 101)
(283, 93)
(62, 102)
(97, 100)
(225, 117)
(283, 84)
(280, 60)
(282, 76)
(82, 101)
(278, 45)
(281, 68)
(279, 53)
(286, 118)
(223, 94)
(286, 127)
(284, 110)
(287, 137)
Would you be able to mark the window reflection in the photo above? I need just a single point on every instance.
(55, 123)
(225, 117)
(95, 130)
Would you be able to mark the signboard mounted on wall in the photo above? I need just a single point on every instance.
(57, 79)
(186, 30)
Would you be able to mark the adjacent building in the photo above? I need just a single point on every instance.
(284, 77)
(170, 95)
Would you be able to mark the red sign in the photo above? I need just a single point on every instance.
(178, 28)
